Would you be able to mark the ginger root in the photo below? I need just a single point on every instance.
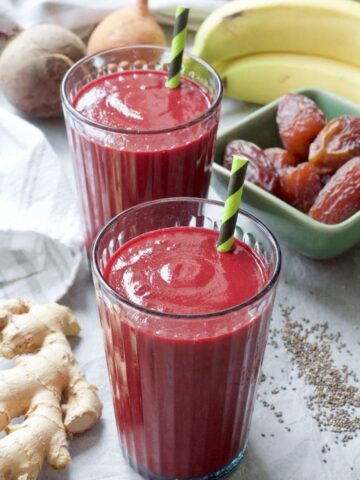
(45, 374)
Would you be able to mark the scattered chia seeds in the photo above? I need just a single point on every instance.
(335, 397)
(334, 400)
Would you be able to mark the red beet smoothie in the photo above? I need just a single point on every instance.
(184, 388)
(117, 170)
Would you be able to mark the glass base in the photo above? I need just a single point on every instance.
(211, 476)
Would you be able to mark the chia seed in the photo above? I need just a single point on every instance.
(335, 397)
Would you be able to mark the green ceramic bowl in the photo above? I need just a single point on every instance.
(298, 230)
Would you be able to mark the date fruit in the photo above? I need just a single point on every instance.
(336, 144)
(299, 186)
(260, 169)
(280, 158)
(299, 120)
(340, 198)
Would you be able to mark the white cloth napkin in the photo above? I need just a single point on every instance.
(81, 14)
(40, 233)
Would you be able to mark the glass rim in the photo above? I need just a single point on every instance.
(68, 106)
(112, 292)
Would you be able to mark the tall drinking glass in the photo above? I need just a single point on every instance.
(132, 140)
(184, 385)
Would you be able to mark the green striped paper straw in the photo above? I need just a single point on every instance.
(232, 203)
(177, 47)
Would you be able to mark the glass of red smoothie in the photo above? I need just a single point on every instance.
(185, 330)
(133, 139)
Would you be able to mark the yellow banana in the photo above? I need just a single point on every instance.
(262, 78)
(324, 28)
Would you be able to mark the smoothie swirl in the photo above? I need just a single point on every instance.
(140, 100)
(157, 272)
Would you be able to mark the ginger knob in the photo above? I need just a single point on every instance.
(45, 386)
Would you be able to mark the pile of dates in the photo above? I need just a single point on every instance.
(318, 170)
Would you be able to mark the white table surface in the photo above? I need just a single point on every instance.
(295, 455)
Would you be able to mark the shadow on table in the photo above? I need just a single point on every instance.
(333, 284)
(84, 442)
(78, 445)
(82, 292)
(250, 468)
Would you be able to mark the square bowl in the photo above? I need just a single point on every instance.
(306, 235)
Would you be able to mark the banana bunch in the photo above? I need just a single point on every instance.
(265, 48)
